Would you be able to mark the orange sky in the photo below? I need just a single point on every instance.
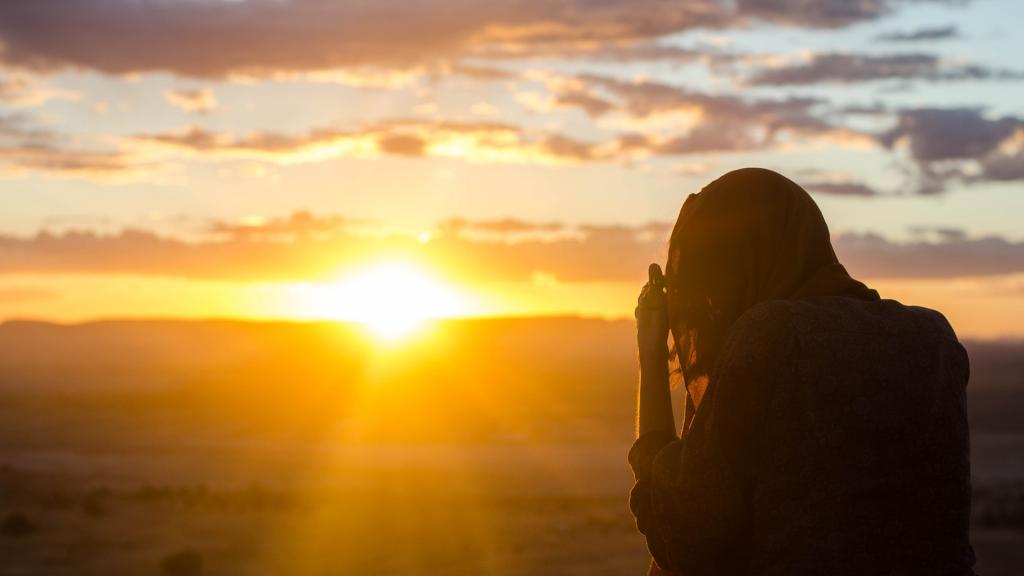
(977, 308)
(526, 157)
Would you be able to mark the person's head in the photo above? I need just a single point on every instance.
(750, 236)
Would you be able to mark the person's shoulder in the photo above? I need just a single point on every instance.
(774, 326)
(932, 328)
(841, 313)
(882, 316)
(929, 320)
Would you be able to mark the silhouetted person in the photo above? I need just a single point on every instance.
(825, 429)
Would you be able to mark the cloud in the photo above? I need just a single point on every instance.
(874, 256)
(27, 148)
(836, 183)
(950, 144)
(632, 111)
(934, 134)
(725, 123)
(380, 76)
(841, 188)
(919, 35)
(822, 13)
(1003, 167)
(717, 122)
(301, 224)
(482, 142)
(217, 39)
(643, 50)
(306, 247)
(594, 255)
(197, 101)
(478, 72)
(722, 124)
(941, 232)
(503, 228)
(649, 51)
(74, 163)
(593, 105)
(943, 145)
(844, 68)
(23, 91)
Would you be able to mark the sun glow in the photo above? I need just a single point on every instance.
(392, 299)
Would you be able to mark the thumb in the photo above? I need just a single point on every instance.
(654, 275)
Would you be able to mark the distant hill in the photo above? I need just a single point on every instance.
(500, 378)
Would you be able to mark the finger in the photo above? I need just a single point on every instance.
(650, 300)
(654, 275)
(643, 294)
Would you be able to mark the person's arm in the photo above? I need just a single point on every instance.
(655, 421)
(654, 401)
(691, 499)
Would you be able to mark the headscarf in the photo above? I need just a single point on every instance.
(750, 236)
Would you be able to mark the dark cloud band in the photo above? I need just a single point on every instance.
(306, 246)
(213, 39)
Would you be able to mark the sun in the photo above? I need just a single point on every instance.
(392, 299)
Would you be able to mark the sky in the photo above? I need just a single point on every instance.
(268, 158)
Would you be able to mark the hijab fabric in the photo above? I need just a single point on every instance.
(750, 236)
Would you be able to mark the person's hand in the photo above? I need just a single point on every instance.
(652, 319)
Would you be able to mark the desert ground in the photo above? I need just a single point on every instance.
(484, 447)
